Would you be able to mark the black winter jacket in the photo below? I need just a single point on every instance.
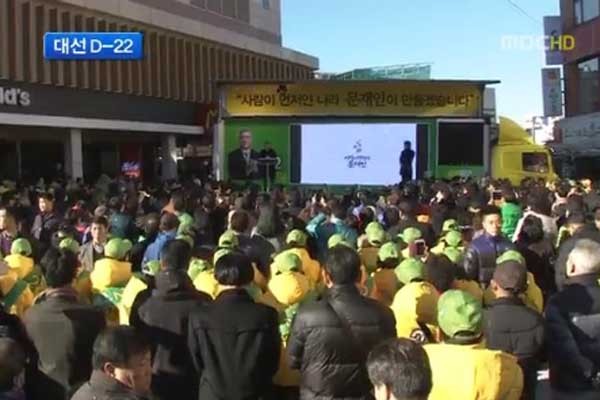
(235, 345)
(573, 334)
(560, 268)
(164, 319)
(329, 356)
(512, 327)
(480, 259)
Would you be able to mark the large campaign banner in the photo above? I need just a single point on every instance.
(353, 99)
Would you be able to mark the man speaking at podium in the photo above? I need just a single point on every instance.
(268, 170)
(242, 162)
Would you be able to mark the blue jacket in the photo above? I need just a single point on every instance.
(154, 251)
(322, 231)
(480, 259)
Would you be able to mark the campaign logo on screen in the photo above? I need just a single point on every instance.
(357, 160)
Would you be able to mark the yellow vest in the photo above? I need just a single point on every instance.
(26, 269)
(205, 282)
(385, 286)
(83, 286)
(310, 267)
(25, 298)
(413, 304)
(368, 257)
(471, 372)
(133, 288)
(533, 297)
(288, 288)
(470, 287)
(110, 273)
(22, 265)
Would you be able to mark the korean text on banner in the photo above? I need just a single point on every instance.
(428, 99)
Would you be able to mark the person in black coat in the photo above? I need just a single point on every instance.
(480, 258)
(46, 222)
(12, 328)
(511, 326)
(330, 338)
(241, 162)
(539, 254)
(573, 326)
(63, 331)
(163, 318)
(578, 229)
(234, 342)
(122, 367)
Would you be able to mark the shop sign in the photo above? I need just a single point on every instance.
(582, 131)
(552, 92)
(386, 98)
(14, 97)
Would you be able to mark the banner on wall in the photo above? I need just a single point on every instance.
(319, 98)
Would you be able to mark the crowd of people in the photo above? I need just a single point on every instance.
(458, 289)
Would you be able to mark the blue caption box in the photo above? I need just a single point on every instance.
(93, 46)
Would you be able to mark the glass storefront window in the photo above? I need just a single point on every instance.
(586, 10)
(589, 86)
(536, 162)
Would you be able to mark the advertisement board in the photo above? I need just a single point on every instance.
(553, 31)
(552, 92)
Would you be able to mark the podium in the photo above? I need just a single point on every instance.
(267, 164)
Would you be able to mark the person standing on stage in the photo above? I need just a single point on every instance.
(406, 160)
(242, 161)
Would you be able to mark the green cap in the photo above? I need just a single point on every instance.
(511, 255)
(287, 262)
(410, 270)
(387, 251)
(453, 238)
(151, 268)
(459, 311)
(373, 226)
(450, 225)
(337, 239)
(117, 248)
(69, 244)
(196, 266)
(188, 239)
(454, 254)
(376, 236)
(298, 237)
(220, 253)
(229, 240)
(21, 246)
(409, 235)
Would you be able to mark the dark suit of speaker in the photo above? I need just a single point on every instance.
(239, 169)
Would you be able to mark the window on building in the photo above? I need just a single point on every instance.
(266, 4)
(586, 10)
(589, 86)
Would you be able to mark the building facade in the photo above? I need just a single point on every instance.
(84, 118)
(580, 130)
